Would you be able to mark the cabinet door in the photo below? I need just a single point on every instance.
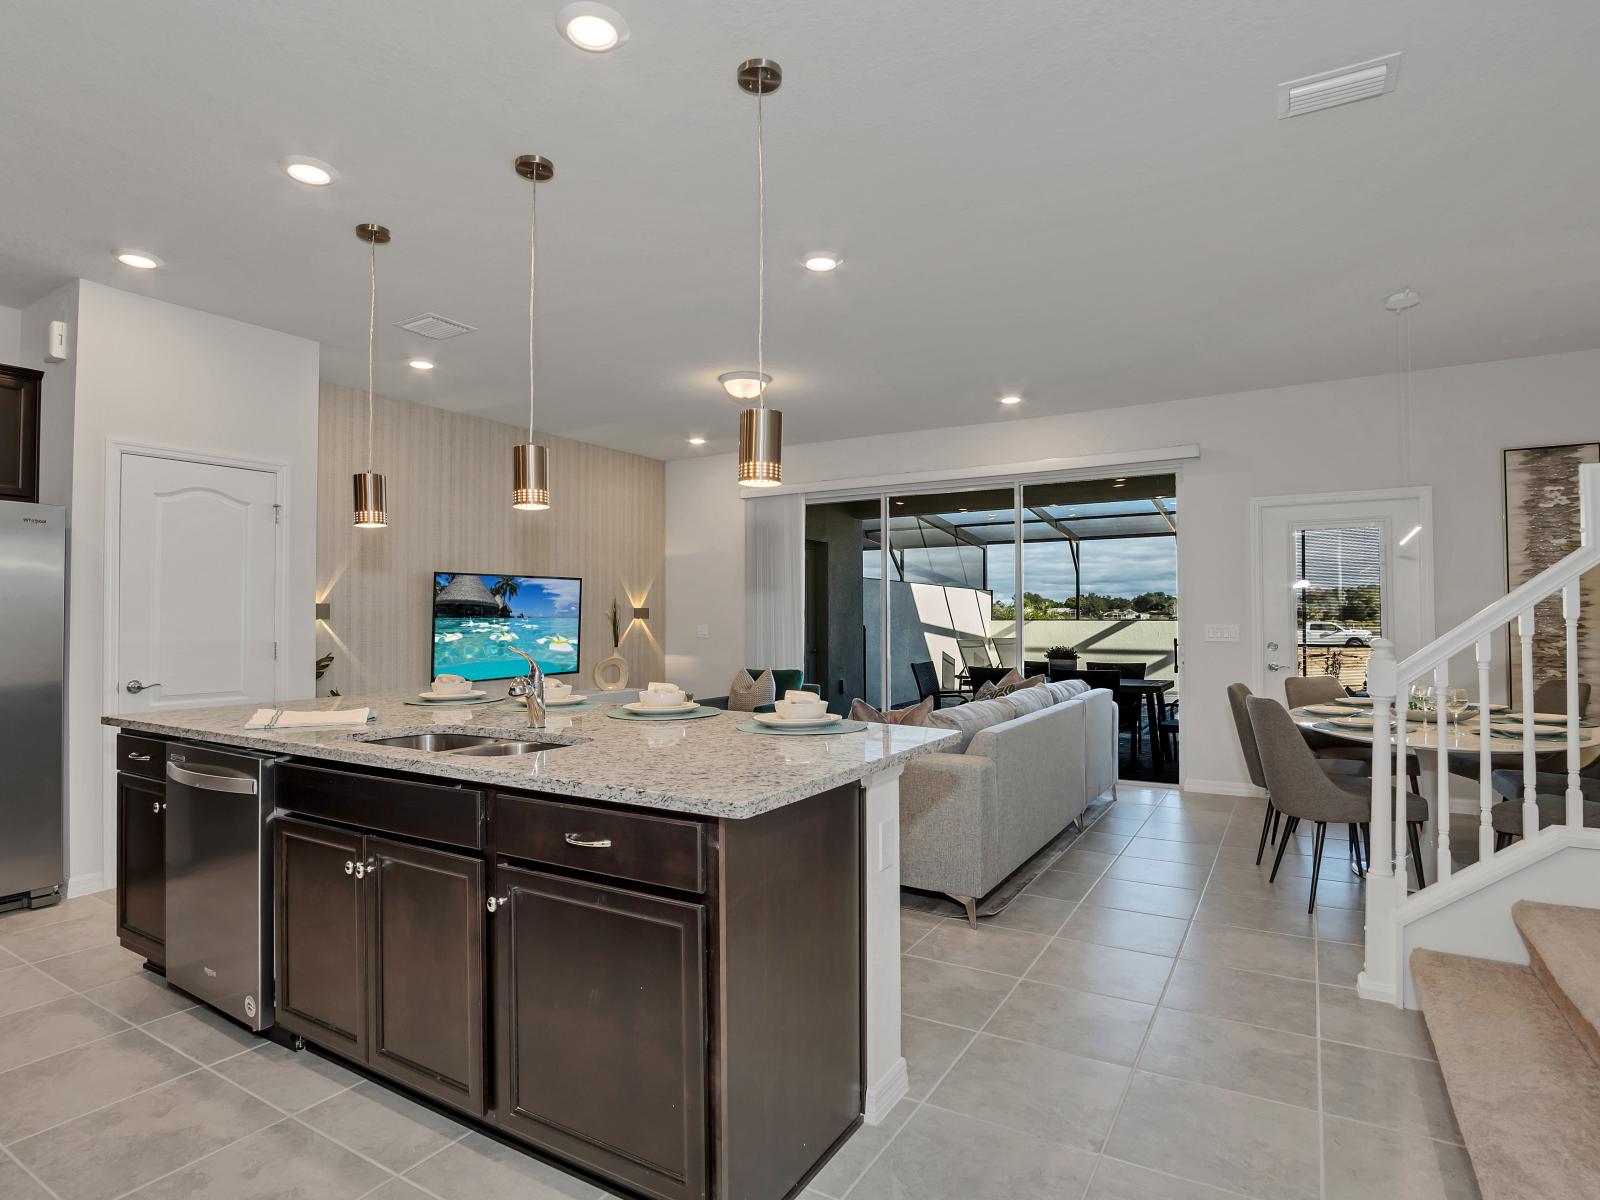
(142, 867)
(427, 970)
(600, 1028)
(19, 433)
(321, 929)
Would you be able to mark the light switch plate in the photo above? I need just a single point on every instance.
(702, 631)
(1222, 633)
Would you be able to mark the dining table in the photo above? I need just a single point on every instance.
(1150, 693)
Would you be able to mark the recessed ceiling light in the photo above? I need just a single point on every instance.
(697, 441)
(743, 385)
(1010, 399)
(138, 260)
(592, 27)
(421, 364)
(309, 171)
(823, 263)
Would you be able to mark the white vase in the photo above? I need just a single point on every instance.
(611, 674)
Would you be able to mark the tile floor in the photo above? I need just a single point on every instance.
(1148, 1021)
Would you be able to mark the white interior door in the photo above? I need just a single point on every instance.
(197, 584)
(1336, 572)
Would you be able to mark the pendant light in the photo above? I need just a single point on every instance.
(371, 508)
(760, 427)
(530, 464)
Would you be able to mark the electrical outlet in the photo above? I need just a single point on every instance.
(1222, 633)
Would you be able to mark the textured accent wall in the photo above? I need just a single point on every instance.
(449, 495)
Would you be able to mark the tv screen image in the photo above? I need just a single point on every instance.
(477, 618)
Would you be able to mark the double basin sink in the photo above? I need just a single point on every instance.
(473, 744)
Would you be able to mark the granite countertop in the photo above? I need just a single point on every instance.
(700, 766)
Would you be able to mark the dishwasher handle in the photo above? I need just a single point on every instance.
(208, 781)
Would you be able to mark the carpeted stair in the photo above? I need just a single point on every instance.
(1520, 1051)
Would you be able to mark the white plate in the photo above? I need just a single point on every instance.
(638, 706)
(1329, 710)
(553, 701)
(780, 721)
(450, 697)
(1351, 722)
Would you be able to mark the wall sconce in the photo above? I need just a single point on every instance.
(641, 614)
(324, 611)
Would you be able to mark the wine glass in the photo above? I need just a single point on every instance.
(1421, 699)
(1455, 703)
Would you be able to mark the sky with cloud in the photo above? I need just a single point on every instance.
(1120, 567)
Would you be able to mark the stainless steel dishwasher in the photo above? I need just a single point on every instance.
(219, 879)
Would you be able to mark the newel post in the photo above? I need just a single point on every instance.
(1380, 975)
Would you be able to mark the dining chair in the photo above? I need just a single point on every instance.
(1301, 690)
(1302, 791)
(1128, 670)
(1237, 695)
(1549, 697)
(1550, 788)
(1130, 705)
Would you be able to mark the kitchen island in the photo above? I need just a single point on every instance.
(665, 953)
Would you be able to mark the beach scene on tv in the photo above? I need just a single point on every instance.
(478, 618)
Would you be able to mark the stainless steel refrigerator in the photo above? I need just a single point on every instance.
(33, 671)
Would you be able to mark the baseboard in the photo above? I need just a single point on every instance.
(883, 1094)
(83, 885)
(1221, 787)
(1384, 993)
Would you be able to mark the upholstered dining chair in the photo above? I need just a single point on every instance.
(1302, 791)
(1301, 690)
(1549, 697)
(1550, 788)
(1237, 695)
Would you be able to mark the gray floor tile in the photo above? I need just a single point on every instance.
(202, 1034)
(930, 1050)
(1126, 930)
(140, 998)
(23, 986)
(285, 1079)
(852, 1159)
(1158, 870)
(1160, 899)
(1346, 1017)
(69, 1084)
(1128, 974)
(1341, 924)
(1102, 843)
(1116, 1180)
(477, 1168)
(95, 926)
(1036, 1090)
(1085, 862)
(1288, 889)
(17, 1184)
(915, 925)
(138, 1139)
(1194, 830)
(1168, 851)
(1082, 1023)
(399, 1189)
(1256, 1147)
(1119, 823)
(942, 1156)
(1252, 950)
(953, 994)
(285, 1161)
(1246, 912)
(24, 920)
(1364, 1162)
(1032, 914)
(1392, 1090)
(1267, 1000)
(90, 968)
(383, 1125)
(1004, 951)
(1243, 1058)
(1062, 885)
(52, 1027)
(1200, 802)
(1339, 963)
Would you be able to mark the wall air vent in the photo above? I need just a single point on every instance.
(1345, 85)
(432, 325)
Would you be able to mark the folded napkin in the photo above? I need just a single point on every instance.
(283, 718)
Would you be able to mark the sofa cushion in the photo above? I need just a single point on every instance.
(969, 719)
(1066, 689)
(916, 714)
(1029, 700)
(1010, 682)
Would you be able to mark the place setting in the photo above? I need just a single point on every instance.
(800, 714)
(662, 702)
(452, 691)
(559, 696)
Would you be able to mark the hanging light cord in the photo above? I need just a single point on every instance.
(761, 248)
(372, 329)
(533, 262)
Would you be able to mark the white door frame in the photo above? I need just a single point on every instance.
(1258, 508)
(111, 552)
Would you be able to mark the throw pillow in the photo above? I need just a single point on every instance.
(917, 714)
(1010, 682)
(746, 694)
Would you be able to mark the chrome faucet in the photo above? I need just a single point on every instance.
(529, 688)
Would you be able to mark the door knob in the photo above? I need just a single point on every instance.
(134, 687)
(155, 806)
(349, 867)
(496, 903)
(1277, 667)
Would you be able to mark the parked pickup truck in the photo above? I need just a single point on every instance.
(1331, 633)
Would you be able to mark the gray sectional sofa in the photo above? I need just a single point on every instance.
(1026, 767)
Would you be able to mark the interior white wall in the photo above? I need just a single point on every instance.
(10, 335)
(154, 373)
(1324, 437)
(55, 392)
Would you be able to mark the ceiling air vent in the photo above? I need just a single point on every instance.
(1344, 85)
(432, 325)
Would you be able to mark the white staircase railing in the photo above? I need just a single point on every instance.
(1428, 731)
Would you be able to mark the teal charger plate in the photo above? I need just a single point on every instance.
(814, 731)
(623, 714)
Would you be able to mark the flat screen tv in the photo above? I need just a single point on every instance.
(476, 618)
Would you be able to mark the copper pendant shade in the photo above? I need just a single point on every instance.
(760, 427)
(370, 505)
(530, 463)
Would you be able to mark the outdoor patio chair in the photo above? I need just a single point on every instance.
(927, 680)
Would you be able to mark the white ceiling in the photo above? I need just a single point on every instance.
(1091, 203)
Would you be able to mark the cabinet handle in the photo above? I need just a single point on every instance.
(577, 839)
(132, 757)
(498, 902)
(349, 867)
(155, 806)
(363, 869)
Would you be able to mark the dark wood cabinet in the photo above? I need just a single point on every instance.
(320, 912)
(601, 1027)
(19, 433)
(142, 866)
